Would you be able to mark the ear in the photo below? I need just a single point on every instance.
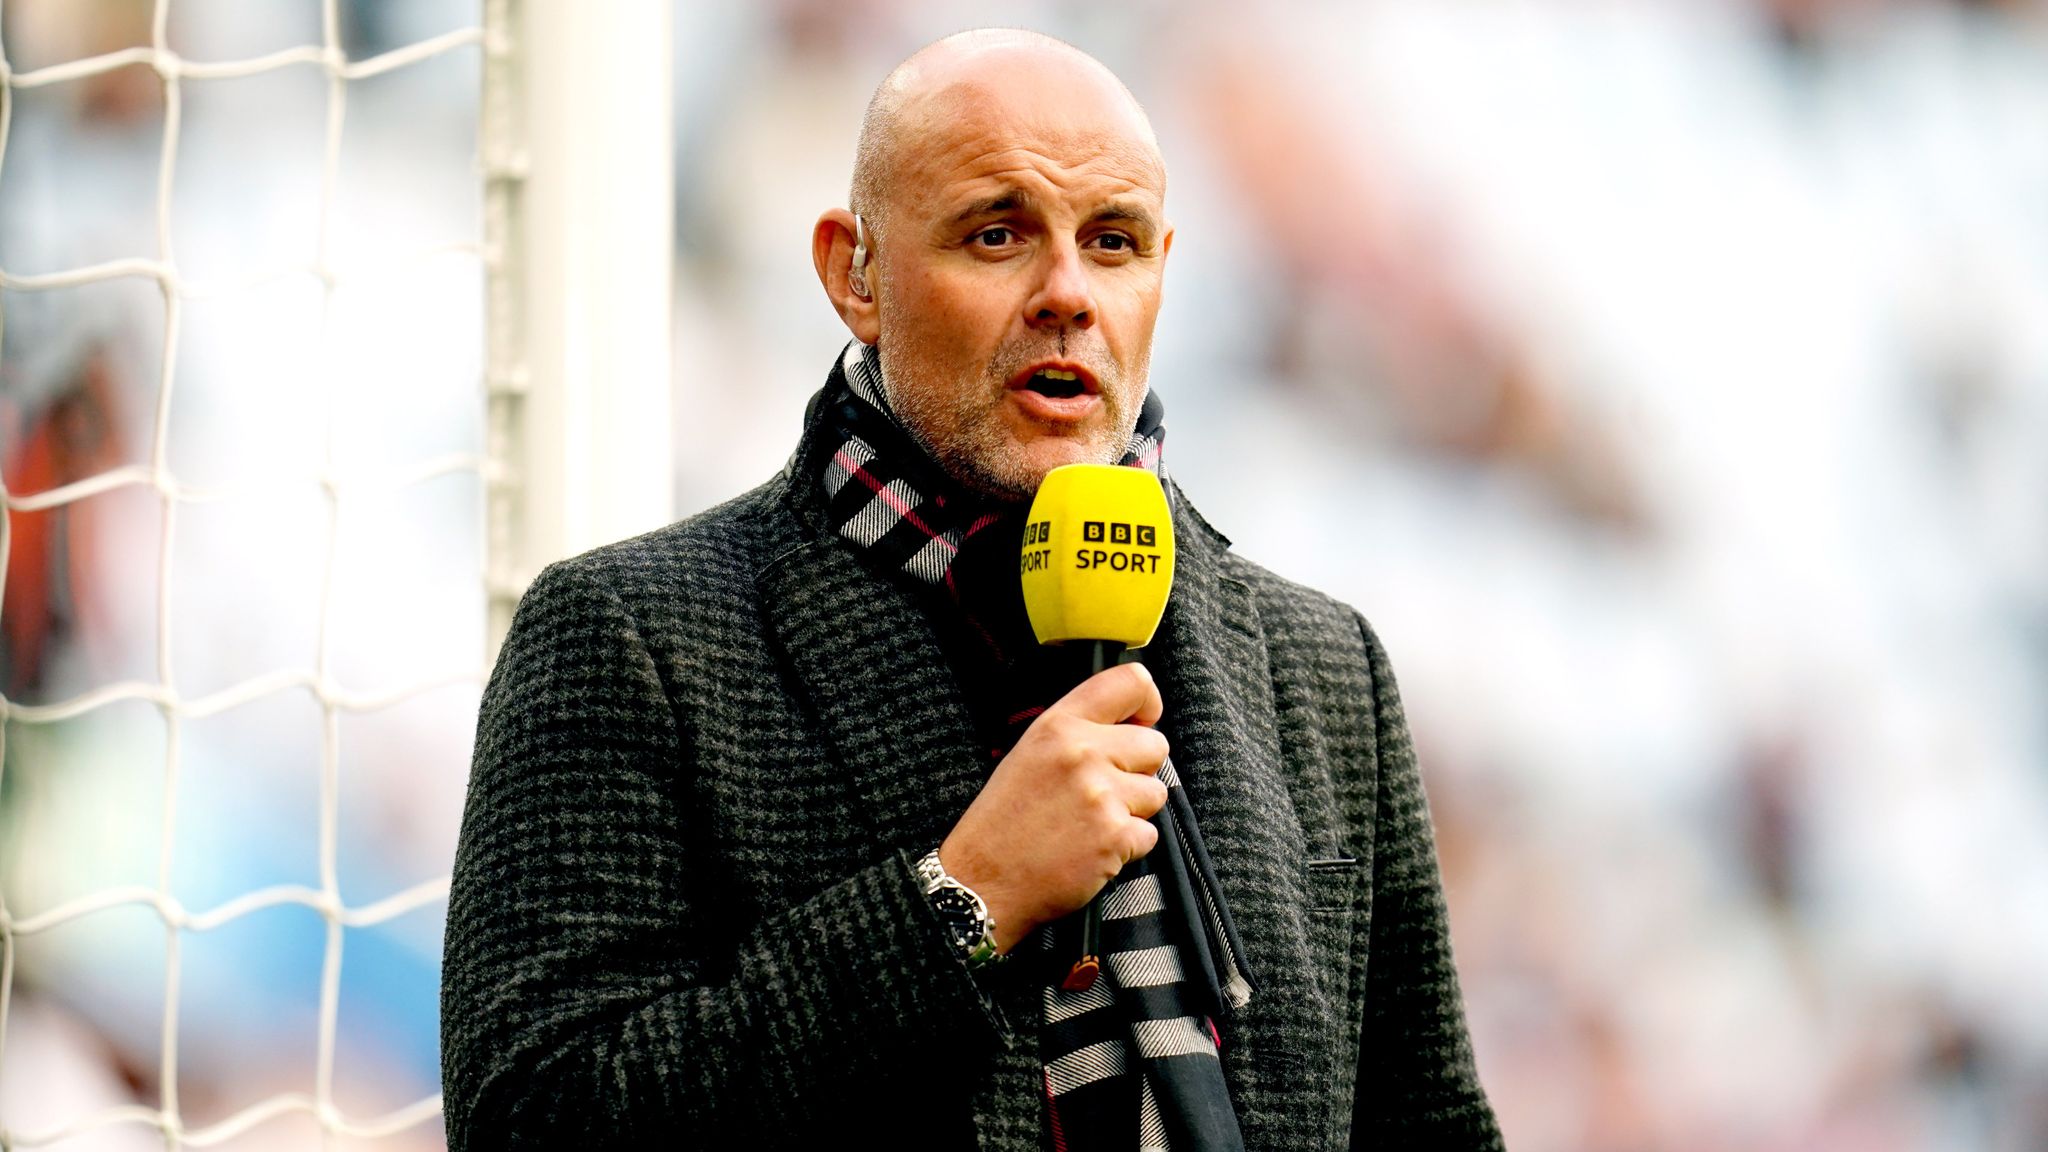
(832, 242)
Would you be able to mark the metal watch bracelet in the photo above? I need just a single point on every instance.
(961, 911)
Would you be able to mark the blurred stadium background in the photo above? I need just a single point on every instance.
(1668, 382)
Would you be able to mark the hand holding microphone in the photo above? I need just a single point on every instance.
(1067, 808)
(1071, 803)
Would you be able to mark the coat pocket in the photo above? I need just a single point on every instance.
(1333, 883)
(1336, 892)
(1337, 898)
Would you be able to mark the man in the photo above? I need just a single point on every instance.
(759, 797)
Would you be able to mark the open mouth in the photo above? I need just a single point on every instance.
(1056, 383)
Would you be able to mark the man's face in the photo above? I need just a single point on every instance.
(1020, 272)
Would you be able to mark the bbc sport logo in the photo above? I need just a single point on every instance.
(1037, 532)
(1099, 531)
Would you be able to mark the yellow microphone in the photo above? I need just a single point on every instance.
(1097, 567)
(1097, 563)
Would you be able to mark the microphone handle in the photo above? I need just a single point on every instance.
(1081, 976)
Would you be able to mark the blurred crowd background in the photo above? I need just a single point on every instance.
(1667, 381)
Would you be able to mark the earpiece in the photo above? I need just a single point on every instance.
(857, 279)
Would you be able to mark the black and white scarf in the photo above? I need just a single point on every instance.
(1132, 1060)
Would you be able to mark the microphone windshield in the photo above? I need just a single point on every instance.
(1098, 555)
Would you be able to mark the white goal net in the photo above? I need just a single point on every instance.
(248, 418)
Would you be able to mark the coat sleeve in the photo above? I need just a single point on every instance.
(587, 999)
(1417, 1085)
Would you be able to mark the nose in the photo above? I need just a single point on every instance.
(1064, 297)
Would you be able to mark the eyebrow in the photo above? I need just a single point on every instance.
(1124, 212)
(1008, 201)
(1015, 199)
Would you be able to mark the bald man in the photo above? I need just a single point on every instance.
(780, 823)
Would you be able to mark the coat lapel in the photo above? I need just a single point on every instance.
(1219, 694)
(1219, 703)
(871, 668)
(881, 689)
(886, 702)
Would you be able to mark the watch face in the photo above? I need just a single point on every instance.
(957, 912)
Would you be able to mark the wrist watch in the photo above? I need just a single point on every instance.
(962, 913)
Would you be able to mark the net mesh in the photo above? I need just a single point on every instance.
(176, 707)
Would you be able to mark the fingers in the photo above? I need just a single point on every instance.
(1134, 749)
(1114, 695)
(1142, 796)
(1126, 808)
(1143, 838)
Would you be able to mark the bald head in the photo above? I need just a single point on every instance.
(981, 70)
(1015, 206)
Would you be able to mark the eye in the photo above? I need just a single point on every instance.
(994, 237)
(1115, 242)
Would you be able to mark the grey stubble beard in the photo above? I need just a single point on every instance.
(979, 452)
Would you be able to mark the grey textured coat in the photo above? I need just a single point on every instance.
(683, 898)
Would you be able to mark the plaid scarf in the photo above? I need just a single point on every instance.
(1130, 1061)
(885, 495)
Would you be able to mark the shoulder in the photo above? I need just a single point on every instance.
(725, 544)
(715, 552)
(1291, 614)
(688, 584)
(1316, 644)
(1321, 652)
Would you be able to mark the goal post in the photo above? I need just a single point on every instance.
(578, 143)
